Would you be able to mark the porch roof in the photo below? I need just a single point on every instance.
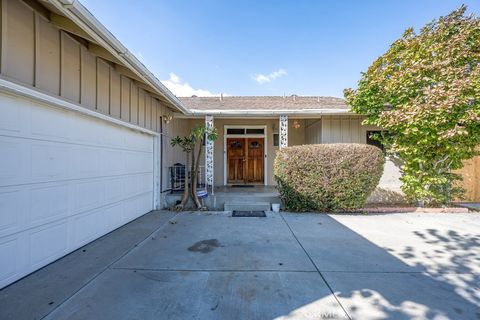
(265, 105)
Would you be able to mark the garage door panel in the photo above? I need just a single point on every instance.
(65, 180)
(135, 204)
(115, 189)
(47, 243)
(88, 195)
(85, 162)
(114, 216)
(113, 162)
(136, 185)
(13, 155)
(137, 142)
(10, 121)
(82, 132)
(145, 185)
(12, 208)
(86, 226)
(112, 137)
(137, 162)
(58, 128)
(48, 203)
(130, 186)
(49, 161)
(9, 268)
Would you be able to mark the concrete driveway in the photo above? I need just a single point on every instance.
(290, 266)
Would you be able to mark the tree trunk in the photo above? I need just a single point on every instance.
(193, 186)
(186, 192)
(195, 177)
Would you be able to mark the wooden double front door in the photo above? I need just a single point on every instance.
(245, 160)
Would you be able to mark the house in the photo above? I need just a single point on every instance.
(265, 124)
(85, 133)
(252, 128)
(80, 133)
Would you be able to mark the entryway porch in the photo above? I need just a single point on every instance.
(247, 197)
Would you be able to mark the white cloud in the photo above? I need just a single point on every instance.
(183, 89)
(265, 78)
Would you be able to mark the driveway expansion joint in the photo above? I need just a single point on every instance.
(318, 270)
(108, 267)
(212, 270)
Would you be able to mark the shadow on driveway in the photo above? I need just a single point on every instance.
(409, 270)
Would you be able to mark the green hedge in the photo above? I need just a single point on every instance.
(327, 177)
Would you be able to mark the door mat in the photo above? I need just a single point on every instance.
(243, 186)
(238, 214)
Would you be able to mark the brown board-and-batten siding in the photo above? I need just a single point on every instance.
(36, 53)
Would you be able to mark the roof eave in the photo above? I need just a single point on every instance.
(252, 113)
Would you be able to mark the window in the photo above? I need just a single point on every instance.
(236, 131)
(276, 139)
(372, 138)
(255, 131)
(255, 145)
(235, 144)
(245, 131)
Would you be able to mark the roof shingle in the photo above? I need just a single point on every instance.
(264, 103)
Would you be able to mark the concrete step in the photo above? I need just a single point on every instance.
(236, 199)
(247, 206)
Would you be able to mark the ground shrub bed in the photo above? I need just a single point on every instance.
(327, 177)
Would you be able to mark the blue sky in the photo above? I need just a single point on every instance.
(267, 47)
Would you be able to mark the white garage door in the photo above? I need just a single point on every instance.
(65, 180)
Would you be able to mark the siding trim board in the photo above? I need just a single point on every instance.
(21, 90)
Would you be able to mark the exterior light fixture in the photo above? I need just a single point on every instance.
(296, 124)
(167, 118)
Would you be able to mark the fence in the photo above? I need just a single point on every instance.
(179, 175)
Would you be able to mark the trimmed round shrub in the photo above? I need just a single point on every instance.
(327, 177)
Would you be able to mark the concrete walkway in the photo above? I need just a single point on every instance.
(290, 266)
